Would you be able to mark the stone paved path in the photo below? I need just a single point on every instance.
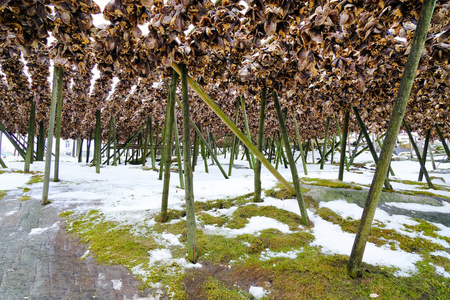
(39, 260)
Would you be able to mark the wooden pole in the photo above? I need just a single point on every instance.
(391, 137)
(56, 91)
(343, 144)
(170, 112)
(441, 137)
(295, 179)
(259, 145)
(59, 104)
(188, 175)
(98, 141)
(40, 142)
(247, 129)
(387, 184)
(196, 150)
(178, 153)
(234, 143)
(88, 146)
(235, 130)
(300, 146)
(80, 149)
(325, 142)
(30, 142)
(153, 142)
(419, 157)
(144, 153)
(425, 151)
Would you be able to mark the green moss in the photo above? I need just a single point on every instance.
(380, 236)
(216, 290)
(36, 178)
(425, 227)
(65, 214)
(172, 214)
(26, 190)
(219, 249)
(223, 203)
(243, 213)
(207, 219)
(2, 194)
(24, 198)
(329, 183)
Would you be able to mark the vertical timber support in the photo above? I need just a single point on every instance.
(170, 111)
(188, 175)
(300, 146)
(419, 157)
(343, 142)
(424, 153)
(59, 104)
(387, 184)
(259, 145)
(98, 141)
(56, 92)
(40, 142)
(325, 142)
(30, 141)
(295, 179)
(234, 143)
(391, 137)
(441, 137)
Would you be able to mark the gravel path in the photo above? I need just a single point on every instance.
(39, 260)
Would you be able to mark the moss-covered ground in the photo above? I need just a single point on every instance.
(232, 264)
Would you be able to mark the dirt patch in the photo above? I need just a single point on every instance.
(232, 278)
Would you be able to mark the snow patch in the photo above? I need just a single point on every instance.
(257, 292)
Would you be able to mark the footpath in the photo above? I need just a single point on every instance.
(39, 260)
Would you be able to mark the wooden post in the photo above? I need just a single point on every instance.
(295, 179)
(80, 149)
(419, 157)
(170, 111)
(98, 141)
(235, 130)
(153, 142)
(391, 137)
(114, 136)
(144, 151)
(343, 144)
(247, 129)
(424, 153)
(30, 142)
(387, 184)
(259, 145)
(40, 142)
(59, 104)
(300, 146)
(88, 146)
(188, 175)
(325, 142)
(234, 143)
(196, 150)
(56, 92)
(441, 137)
(178, 153)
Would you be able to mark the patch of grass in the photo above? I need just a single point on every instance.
(65, 214)
(243, 213)
(111, 243)
(2, 194)
(36, 178)
(219, 249)
(26, 190)
(380, 236)
(216, 290)
(208, 219)
(223, 203)
(423, 185)
(329, 183)
(24, 198)
(172, 214)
